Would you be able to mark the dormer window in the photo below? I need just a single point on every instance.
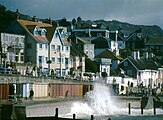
(139, 35)
(35, 32)
(40, 46)
(55, 34)
(43, 32)
(62, 34)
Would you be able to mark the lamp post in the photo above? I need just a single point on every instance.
(61, 57)
(60, 64)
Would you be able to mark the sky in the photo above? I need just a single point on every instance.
(138, 12)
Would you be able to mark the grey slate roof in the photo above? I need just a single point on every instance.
(143, 64)
(75, 51)
(108, 54)
(101, 42)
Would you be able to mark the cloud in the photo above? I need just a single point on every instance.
(133, 11)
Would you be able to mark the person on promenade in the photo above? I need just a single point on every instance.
(66, 94)
(31, 94)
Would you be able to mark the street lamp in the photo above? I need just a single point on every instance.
(61, 56)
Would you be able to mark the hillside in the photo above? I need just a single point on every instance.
(146, 30)
(7, 16)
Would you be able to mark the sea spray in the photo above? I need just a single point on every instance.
(98, 101)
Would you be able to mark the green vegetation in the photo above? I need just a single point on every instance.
(104, 74)
(125, 52)
(6, 17)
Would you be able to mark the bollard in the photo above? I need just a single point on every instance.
(0, 111)
(142, 110)
(129, 108)
(74, 116)
(56, 112)
(91, 117)
(154, 107)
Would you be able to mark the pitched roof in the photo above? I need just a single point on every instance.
(41, 39)
(30, 25)
(108, 54)
(133, 37)
(155, 41)
(39, 24)
(75, 51)
(88, 38)
(101, 42)
(65, 41)
(83, 41)
(143, 63)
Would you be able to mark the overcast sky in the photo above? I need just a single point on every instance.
(139, 12)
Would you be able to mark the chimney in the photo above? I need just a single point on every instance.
(17, 17)
(57, 23)
(116, 35)
(34, 19)
(50, 21)
(76, 41)
(145, 55)
(136, 55)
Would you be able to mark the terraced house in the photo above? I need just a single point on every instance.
(12, 50)
(46, 47)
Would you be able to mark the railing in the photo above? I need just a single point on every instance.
(8, 78)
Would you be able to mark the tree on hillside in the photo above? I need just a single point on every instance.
(125, 52)
(79, 22)
(2, 8)
(74, 21)
(6, 17)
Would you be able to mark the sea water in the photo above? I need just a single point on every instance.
(99, 103)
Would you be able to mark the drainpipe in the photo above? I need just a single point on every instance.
(49, 58)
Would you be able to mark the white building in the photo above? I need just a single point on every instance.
(60, 52)
(147, 71)
(12, 48)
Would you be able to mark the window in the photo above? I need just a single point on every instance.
(104, 69)
(43, 33)
(81, 59)
(53, 60)
(67, 48)
(62, 34)
(16, 58)
(58, 60)
(53, 47)
(58, 47)
(46, 46)
(66, 61)
(120, 45)
(46, 58)
(62, 60)
(22, 57)
(35, 32)
(6, 38)
(86, 52)
(40, 46)
(56, 35)
(41, 59)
